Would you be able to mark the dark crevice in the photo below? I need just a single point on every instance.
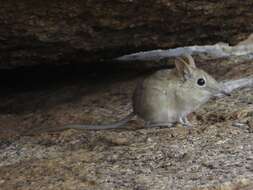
(43, 76)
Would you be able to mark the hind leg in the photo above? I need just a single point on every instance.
(159, 124)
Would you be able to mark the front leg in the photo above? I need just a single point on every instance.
(184, 121)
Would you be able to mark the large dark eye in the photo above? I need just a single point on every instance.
(201, 82)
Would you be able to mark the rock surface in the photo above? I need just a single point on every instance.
(81, 31)
(213, 155)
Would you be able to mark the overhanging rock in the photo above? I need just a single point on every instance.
(60, 32)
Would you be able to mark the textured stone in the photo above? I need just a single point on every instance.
(84, 31)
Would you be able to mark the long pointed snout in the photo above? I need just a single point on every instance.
(225, 93)
(221, 91)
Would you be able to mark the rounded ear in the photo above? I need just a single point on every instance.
(185, 67)
(191, 61)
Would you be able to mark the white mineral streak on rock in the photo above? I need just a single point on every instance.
(219, 50)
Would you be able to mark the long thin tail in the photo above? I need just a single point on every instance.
(118, 124)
